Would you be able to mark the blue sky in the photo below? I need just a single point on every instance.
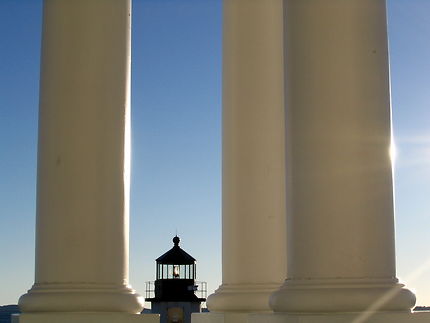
(176, 109)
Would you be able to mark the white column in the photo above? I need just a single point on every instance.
(340, 219)
(253, 236)
(83, 160)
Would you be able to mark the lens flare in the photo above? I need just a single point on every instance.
(393, 152)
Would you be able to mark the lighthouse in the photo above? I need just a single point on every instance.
(175, 287)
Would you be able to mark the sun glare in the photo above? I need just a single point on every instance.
(393, 152)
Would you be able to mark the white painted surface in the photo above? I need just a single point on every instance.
(85, 318)
(229, 317)
(340, 222)
(253, 156)
(341, 318)
(83, 160)
(420, 317)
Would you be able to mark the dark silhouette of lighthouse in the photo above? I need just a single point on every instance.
(175, 286)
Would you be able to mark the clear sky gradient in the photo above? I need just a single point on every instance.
(176, 152)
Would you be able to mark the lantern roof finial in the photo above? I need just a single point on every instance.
(175, 256)
(176, 240)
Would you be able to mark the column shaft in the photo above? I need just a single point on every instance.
(83, 160)
(340, 191)
(253, 234)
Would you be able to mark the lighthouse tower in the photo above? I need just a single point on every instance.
(175, 286)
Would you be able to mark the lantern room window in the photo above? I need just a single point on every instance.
(175, 271)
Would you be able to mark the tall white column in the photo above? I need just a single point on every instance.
(253, 229)
(83, 160)
(340, 219)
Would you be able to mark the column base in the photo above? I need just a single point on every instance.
(81, 298)
(364, 317)
(220, 317)
(241, 298)
(85, 318)
(341, 295)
